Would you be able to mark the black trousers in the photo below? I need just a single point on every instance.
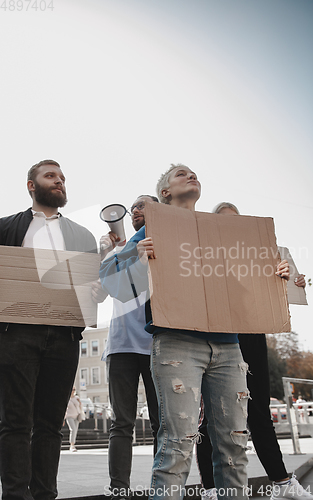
(254, 352)
(124, 370)
(37, 369)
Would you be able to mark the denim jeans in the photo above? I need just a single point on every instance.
(37, 370)
(124, 371)
(183, 367)
(73, 425)
(254, 351)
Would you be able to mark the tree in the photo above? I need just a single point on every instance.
(286, 344)
(301, 366)
(286, 359)
(277, 370)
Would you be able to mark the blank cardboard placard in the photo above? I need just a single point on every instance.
(47, 287)
(215, 273)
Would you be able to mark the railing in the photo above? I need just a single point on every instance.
(295, 417)
(303, 412)
(104, 412)
(292, 413)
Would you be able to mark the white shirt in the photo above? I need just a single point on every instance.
(44, 232)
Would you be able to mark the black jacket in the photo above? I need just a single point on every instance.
(14, 227)
(77, 238)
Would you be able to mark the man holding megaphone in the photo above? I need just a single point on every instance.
(127, 355)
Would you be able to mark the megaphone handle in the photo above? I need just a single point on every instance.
(133, 288)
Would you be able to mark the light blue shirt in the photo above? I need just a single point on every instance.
(126, 332)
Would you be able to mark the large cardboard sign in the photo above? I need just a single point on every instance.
(47, 287)
(215, 273)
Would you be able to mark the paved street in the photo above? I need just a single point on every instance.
(85, 473)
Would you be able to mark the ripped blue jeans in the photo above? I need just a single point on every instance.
(183, 367)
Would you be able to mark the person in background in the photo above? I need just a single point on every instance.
(73, 417)
(127, 355)
(300, 407)
(254, 352)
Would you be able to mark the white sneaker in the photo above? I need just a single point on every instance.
(210, 494)
(72, 448)
(293, 491)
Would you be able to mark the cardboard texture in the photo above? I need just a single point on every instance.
(47, 287)
(215, 273)
(296, 294)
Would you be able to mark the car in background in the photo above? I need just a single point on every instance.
(274, 410)
(88, 407)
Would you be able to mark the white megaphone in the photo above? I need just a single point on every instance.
(114, 215)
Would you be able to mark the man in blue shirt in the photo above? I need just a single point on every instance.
(127, 354)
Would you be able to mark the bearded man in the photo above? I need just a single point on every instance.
(38, 362)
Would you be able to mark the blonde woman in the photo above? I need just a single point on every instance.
(72, 417)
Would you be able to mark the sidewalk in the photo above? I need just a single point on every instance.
(85, 473)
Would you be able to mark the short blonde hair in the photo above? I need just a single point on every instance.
(163, 182)
(225, 204)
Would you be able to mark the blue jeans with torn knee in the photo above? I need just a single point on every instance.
(183, 367)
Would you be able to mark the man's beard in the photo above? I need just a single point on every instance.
(48, 197)
(138, 224)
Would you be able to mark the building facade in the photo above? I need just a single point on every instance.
(91, 379)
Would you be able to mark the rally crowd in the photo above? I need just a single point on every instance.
(224, 374)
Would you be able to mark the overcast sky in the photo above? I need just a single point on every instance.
(116, 90)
